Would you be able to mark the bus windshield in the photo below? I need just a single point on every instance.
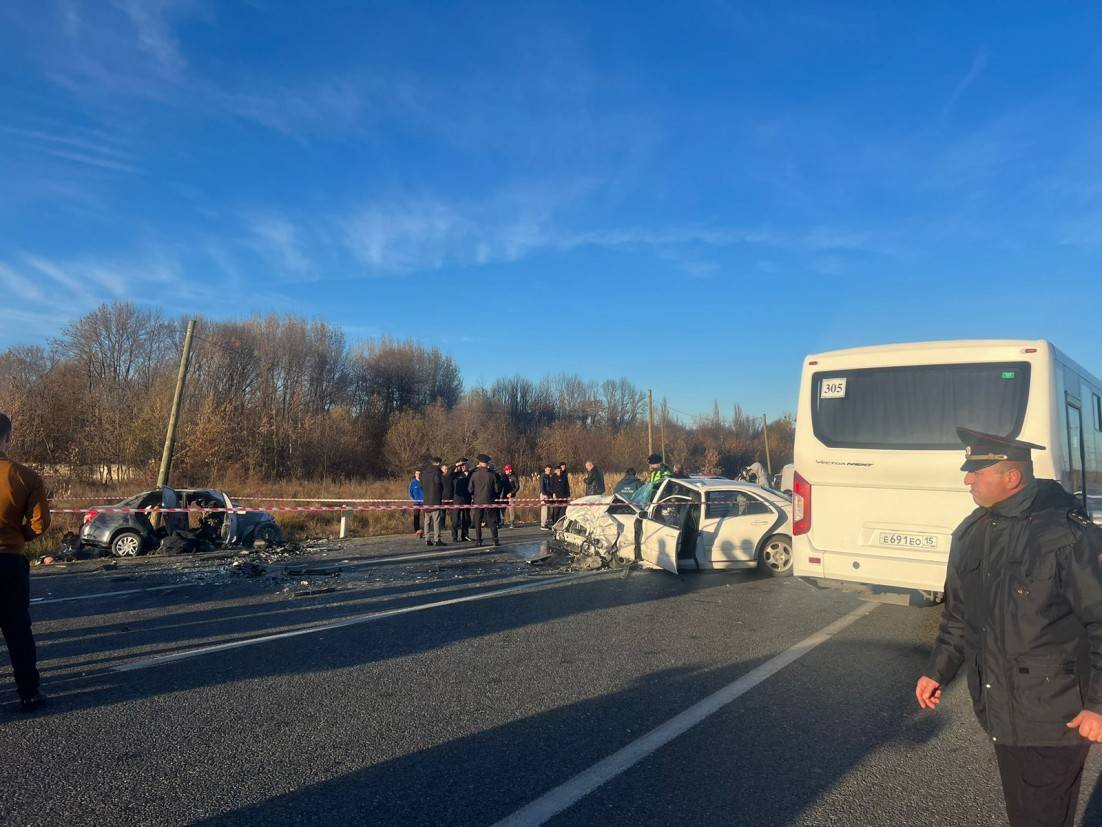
(918, 407)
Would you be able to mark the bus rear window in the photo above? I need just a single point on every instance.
(917, 407)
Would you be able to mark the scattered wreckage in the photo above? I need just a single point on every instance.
(681, 524)
(133, 532)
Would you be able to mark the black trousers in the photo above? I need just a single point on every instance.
(491, 514)
(15, 621)
(1041, 784)
(416, 519)
(461, 521)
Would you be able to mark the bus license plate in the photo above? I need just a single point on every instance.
(896, 539)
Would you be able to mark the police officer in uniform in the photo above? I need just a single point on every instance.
(658, 469)
(485, 490)
(461, 489)
(1023, 620)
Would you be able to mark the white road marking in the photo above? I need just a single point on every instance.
(38, 601)
(158, 660)
(550, 804)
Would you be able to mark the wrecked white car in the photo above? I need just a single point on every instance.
(683, 524)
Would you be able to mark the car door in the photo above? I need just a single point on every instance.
(173, 521)
(658, 542)
(744, 521)
(662, 524)
(231, 524)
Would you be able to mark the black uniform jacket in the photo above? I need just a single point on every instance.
(484, 486)
(447, 486)
(461, 484)
(1023, 616)
(432, 484)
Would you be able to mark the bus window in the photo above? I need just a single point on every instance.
(917, 407)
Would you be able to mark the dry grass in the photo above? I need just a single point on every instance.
(295, 526)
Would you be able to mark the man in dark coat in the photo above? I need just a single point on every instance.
(433, 486)
(461, 484)
(485, 490)
(1023, 619)
(560, 489)
(594, 480)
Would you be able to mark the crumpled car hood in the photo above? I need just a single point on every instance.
(588, 517)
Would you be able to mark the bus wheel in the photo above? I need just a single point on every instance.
(775, 557)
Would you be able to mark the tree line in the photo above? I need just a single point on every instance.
(277, 397)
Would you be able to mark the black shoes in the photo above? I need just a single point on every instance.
(496, 543)
(27, 705)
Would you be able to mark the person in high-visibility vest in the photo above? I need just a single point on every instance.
(658, 469)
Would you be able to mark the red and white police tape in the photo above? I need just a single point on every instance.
(404, 506)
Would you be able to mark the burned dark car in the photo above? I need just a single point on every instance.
(127, 531)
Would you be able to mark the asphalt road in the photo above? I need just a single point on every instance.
(470, 688)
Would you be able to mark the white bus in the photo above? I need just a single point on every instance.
(878, 488)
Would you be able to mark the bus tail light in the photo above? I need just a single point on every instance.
(801, 505)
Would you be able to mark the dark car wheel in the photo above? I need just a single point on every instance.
(127, 544)
(268, 533)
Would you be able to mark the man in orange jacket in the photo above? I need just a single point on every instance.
(24, 514)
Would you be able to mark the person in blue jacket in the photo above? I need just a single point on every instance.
(417, 494)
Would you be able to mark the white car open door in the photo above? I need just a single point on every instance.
(658, 543)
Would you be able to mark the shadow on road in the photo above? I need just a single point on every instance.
(779, 759)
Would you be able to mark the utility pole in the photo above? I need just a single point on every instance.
(174, 417)
(650, 422)
(765, 433)
(665, 414)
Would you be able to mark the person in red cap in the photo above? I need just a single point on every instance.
(510, 489)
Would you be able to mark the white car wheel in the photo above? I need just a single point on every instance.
(775, 558)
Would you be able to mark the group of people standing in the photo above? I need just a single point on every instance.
(554, 494)
(475, 498)
(486, 497)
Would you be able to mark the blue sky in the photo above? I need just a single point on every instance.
(539, 188)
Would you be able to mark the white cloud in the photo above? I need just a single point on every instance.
(278, 238)
(426, 234)
(150, 19)
(979, 64)
(18, 288)
(74, 288)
